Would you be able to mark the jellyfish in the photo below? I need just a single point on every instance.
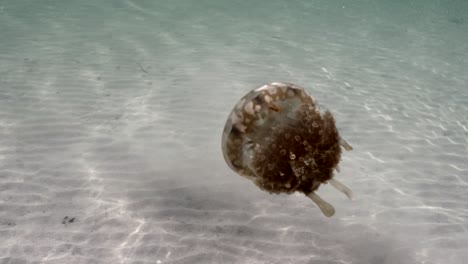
(278, 137)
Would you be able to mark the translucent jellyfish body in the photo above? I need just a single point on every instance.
(277, 137)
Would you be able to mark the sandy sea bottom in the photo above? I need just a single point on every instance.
(111, 115)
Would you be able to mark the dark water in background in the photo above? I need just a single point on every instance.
(111, 114)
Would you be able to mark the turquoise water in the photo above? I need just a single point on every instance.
(111, 114)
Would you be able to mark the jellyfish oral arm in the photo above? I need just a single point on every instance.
(337, 168)
(341, 187)
(345, 144)
(326, 208)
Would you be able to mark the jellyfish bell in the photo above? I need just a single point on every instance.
(277, 137)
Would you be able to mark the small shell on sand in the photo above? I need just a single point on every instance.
(277, 137)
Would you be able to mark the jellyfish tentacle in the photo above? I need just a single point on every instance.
(326, 208)
(341, 187)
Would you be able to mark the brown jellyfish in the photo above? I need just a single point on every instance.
(277, 137)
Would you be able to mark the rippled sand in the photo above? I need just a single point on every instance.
(111, 116)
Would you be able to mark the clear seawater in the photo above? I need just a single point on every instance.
(111, 114)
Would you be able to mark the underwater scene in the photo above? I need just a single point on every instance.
(228, 131)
